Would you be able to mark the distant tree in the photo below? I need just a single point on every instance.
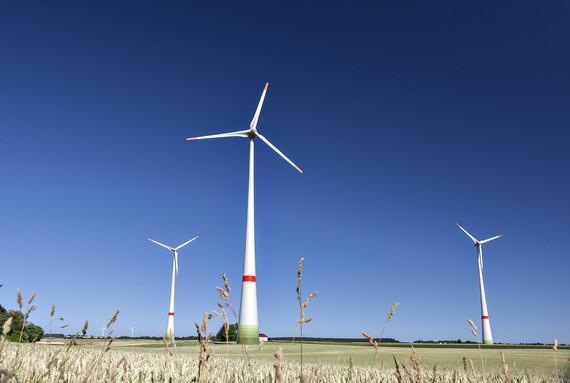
(2, 310)
(232, 333)
(31, 332)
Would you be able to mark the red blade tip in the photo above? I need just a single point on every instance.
(266, 86)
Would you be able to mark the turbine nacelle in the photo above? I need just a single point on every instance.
(252, 133)
(174, 250)
(476, 242)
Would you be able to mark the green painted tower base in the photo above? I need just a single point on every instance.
(487, 341)
(248, 334)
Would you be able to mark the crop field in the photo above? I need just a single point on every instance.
(151, 361)
(361, 354)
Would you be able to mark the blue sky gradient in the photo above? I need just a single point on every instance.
(406, 117)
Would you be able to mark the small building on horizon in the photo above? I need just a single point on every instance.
(263, 337)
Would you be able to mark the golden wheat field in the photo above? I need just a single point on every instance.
(132, 362)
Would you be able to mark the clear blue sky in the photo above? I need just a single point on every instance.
(407, 117)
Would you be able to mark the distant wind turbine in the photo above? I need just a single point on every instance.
(132, 332)
(103, 331)
(174, 250)
(486, 324)
(248, 329)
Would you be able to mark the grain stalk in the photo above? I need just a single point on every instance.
(389, 317)
(302, 307)
(224, 305)
(6, 327)
(505, 367)
(203, 342)
(474, 331)
(29, 309)
(555, 350)
(277, 365)
(97, 362)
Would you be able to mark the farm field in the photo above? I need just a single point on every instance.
(149, 361)
(519, 358)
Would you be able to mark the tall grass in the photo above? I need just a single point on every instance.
(303, 320)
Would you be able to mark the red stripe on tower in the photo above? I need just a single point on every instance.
(249, 278)
(170, 314)
(484, 317)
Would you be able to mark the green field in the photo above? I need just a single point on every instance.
(519, 358)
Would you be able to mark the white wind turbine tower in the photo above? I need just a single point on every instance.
(174, 250)
(132, 332)
(248, 330)
(486, 324)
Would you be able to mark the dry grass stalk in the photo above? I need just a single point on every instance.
(408, 372)
(505, 367)
(51, 314)
(85, 327)
(392, 311)
(434, 374)
(469, 378)
(113, 318)
(222, 293)
(474, 332)
(389, 317)
(473, 374)
(31, 299)
(97, 362)
(203, 341)
(30, 308)
(226, 283)
(398, 373)
(302, 306)
(165, 342)
(555, 349)
(350, 369)
(416, 365)
(373, 342)
(19, 299)
(277, 365)
(6, 327)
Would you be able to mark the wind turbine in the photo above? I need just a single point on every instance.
(486, 325)
(174, 250)
(248, 330)
(132, 332)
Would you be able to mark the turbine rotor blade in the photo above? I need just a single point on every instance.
(278, 152)
(490, 239)
(253, 123)
(239, 133)
(469, 235)
(184, 244)
(161, 244)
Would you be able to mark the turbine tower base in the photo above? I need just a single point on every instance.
(248, 334)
